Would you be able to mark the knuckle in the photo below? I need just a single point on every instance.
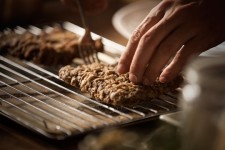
(136, 35)
(146, 38)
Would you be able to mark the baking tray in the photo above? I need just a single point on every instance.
(33, 96)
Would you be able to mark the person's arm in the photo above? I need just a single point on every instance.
(173, 31)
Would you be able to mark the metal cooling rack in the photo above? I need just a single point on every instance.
(36, 98)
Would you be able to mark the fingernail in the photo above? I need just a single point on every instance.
(146, 81)
(162, 79)
(133, 78)
(121, 68)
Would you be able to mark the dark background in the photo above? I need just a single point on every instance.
(42, 12)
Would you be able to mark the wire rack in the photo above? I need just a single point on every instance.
(36, 98)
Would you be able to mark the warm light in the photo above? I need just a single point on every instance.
(190, 92)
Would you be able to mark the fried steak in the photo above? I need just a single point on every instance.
(103, 83)
(55, 47)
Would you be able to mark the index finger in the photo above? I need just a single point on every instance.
(153, 17)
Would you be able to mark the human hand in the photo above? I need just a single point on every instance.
(172, 32)
(90, 6)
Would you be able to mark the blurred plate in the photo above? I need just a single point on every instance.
(126, 19)
(215, 51)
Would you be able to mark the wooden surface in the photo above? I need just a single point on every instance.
(152, 134)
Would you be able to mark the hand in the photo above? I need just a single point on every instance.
(172, 32)
(90, 6)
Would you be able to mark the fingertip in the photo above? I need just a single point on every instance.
(121, 69)
(133, 78)
(166, 76)
(151, 74)
(171, 72)
(163, 79)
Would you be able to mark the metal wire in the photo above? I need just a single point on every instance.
(36, 98)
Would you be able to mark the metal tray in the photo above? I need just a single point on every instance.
(36, 98)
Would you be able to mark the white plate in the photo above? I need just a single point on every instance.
(126, 19)
(215, 51)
